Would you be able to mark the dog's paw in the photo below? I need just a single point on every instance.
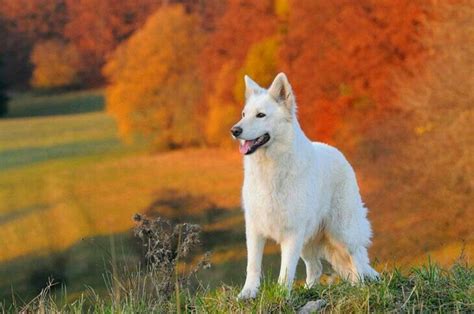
(248, 293)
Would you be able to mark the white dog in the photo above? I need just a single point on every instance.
(301, 194)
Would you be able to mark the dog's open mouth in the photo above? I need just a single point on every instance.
(247, 147)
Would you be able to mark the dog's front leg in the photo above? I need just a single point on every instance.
(255, 246)
(291, 249)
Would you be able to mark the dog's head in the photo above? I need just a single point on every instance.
(267, 115)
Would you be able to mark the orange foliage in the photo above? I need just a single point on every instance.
(153, 79)
(55, 64)
(243, 24)
(351, 50)
(341, 56)
(96, 27)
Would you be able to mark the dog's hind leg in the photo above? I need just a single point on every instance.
(337, 254)
(311, 258)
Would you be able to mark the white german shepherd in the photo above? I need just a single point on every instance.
(302, 194)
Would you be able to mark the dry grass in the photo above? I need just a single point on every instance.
(166, 246)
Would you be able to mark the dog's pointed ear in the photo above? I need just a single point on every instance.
(251, 87)
(281, 91)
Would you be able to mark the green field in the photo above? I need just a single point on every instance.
(35, 104)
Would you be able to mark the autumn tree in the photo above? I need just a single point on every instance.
(343, 55)
(153, 80)
(96, 27)
(55, 64)
(28, 22)
(243, 23)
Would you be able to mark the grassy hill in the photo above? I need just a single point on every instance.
(422, 289)
(69, 189)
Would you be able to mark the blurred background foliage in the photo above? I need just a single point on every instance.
(388, 82)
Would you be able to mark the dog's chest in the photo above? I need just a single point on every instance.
(273, 199)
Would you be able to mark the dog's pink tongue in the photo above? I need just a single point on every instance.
(245, 147)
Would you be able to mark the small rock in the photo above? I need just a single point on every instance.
(312, 307)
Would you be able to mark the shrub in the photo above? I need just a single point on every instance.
(55, 65)
(166, 246)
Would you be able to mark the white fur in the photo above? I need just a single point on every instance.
(294, 191)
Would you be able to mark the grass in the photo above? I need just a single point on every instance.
(26, 140)
(35, 104)
(426, 288)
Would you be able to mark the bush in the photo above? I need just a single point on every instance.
(55, 65)
(165, 246)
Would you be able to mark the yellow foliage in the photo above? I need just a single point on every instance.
(221, 116)
(260, 64)
(154, 85)
(422, 129)
(282, 8)
(55, 64)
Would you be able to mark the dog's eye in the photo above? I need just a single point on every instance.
(243, 114)
(260, 115)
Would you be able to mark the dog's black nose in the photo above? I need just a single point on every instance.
(236, 131)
